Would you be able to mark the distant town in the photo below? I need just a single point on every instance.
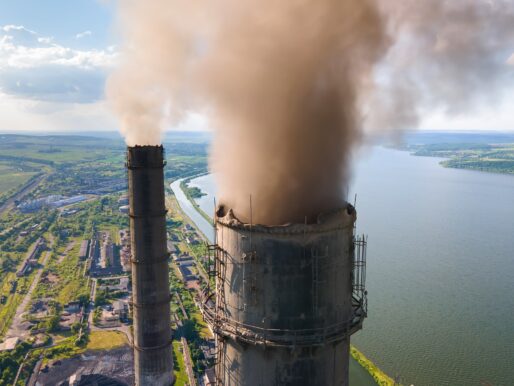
(65, 266)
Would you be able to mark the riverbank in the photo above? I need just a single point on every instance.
(378, 375)
(184, 185)
(490, 158)
(201, 222)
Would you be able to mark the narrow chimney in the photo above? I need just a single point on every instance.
(153, 362)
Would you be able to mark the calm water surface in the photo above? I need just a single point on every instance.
(205, 226)
(440, 271)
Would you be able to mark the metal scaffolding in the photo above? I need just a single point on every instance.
(215, 311)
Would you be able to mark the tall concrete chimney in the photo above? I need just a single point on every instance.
(153, 363)
(284, 309)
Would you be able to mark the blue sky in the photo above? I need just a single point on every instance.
(55, 56)
(63, 19)
(54, 59)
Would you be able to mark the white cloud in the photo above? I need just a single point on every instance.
(47, 86)
(83, 34)
(14, 52)
(33, 115)
(12, 27)
(193, 121)
(484, 118)
(36, 67)
(45, 40)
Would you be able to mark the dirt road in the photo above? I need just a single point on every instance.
(16, 329)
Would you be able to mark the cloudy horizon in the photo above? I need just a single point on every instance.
(53, 73)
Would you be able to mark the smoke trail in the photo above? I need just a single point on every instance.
(147, 91)
(289, 86)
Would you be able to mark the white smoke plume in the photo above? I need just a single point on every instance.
(291, 86)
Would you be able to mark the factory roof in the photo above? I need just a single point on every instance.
(83, 248)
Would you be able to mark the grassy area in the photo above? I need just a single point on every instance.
(55, 149)
(12, 177)
(205, 333)
(65, 349)
(179, 370)
(378, 375)
(106, 340)
(63, 280)
(180, 164)
(75, 283)
(8, 310)
(61, 336)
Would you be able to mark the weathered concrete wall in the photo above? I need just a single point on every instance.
(286, 300)
(150, 281)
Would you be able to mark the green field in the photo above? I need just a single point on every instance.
(12, 177)
(179, 366)
(63, 280)
(106, 340)
(56, 149)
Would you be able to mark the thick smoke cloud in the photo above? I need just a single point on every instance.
(289, 87)
(449, 56)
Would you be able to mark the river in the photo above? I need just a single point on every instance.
(205, 226)
(440, 269)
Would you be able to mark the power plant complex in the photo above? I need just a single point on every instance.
(286, 298)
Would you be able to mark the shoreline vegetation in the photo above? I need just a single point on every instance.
(192, 193)
(381, 378)
(484, 157)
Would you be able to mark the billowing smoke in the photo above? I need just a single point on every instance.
(448, 56)
(290, 86)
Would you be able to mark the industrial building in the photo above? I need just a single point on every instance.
(84, 249)
(31, 258)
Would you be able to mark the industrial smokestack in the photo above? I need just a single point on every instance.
(288, 298)
(290, 87)
(153, 361)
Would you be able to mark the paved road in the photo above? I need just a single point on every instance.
(16, 329)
